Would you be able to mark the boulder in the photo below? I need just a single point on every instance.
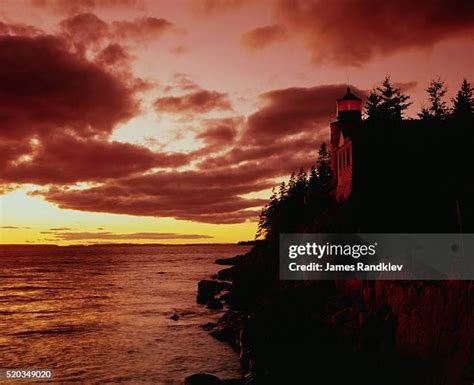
(231, 260)
(214, 304)
(202, 379)
(226, 274)
(208, 326)
(207, 289)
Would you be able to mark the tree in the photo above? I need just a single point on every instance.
(324, 165)
(313, 180)
(387, 102)
(463, 103)
(267, 215)
(393, 102)
(372, 107)
(438, 108)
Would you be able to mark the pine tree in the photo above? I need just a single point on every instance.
(313, 180)
(463, 103)
(392, 102)
(372, 107)
(282, 192)
(267, 216)
(386, 102)
(324, 165)
(438, 108)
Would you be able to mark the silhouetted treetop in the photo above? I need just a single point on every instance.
(438, 108)
(386, 102)
(463, 102)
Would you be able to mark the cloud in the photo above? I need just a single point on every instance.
(212, 7)
(66, 159)
(294, 110)
(18, 29)
(179, 50)
(60, 229)
(77, 6)
(9, 227)
(220, 131)
(406, 86)
(140, 29)
(105, 235)
(211, 196)
(59, 108)
(200, 101)
(354, 32)
(113, 55)
(240, 157)
(87, 28)
(262, 37)
(183, 83)
(44, 88)
(57, 111)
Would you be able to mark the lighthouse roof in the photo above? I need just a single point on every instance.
(349, 96)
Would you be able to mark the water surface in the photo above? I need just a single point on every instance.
(98, 314)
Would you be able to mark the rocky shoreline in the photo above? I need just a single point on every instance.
(370, 332)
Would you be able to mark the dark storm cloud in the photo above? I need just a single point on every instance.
(351, 32)
(45, 88)
(293, 111)
(57, 110)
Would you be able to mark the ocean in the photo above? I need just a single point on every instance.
(101, 314)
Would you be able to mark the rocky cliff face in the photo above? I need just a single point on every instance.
(361, 332)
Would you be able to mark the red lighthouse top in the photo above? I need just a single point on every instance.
(349, 102)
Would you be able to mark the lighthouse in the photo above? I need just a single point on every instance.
(349, 116)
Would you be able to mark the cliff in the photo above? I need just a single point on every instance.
(362, 332)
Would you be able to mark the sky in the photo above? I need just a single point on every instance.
(171, 121)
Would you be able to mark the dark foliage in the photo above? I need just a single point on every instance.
(412, 175)
(386, 103)
(296, 202)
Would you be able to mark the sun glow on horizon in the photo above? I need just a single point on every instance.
(19, 226)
